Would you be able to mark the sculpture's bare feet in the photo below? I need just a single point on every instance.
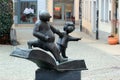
(29, 45)
(65, 57)
(62, 59)
(80, 38)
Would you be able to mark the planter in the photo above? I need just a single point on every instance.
(5, 39)
(34, 19)
(112, 40)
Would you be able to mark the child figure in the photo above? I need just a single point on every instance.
(63, 41)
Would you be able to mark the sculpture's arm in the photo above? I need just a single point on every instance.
(38, 34)
(73, 38)
(61, 34)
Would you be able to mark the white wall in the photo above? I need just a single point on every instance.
(41, 5)
(50, 8)
(76, 9)
(103, 25)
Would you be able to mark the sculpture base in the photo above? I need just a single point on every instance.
(42, 74)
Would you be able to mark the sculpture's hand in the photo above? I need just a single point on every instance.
(79, 39)
(62, 34)
(47, 38)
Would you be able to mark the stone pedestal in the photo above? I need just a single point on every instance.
(42, 74)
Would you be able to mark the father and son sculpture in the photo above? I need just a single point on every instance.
(44, 32)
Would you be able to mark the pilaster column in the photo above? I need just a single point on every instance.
(50, 8)
(76, 9)
(119, 19)
(41, 5)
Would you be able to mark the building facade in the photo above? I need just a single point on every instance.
(119, 18)
(100, 18)
(89, 16)
(27, 11)
(105, 19)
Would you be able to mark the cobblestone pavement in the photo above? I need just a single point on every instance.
(102, 60)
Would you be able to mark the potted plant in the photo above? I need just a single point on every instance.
(6, 20)
(34, 19)
(113, 39)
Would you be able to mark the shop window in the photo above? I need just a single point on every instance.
(57, 11)
(63, 9)
(28, 11)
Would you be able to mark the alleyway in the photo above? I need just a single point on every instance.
(102, 60)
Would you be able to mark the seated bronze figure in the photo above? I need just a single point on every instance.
(44, 32)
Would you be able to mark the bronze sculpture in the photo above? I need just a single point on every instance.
(63, 41)
(48, 68)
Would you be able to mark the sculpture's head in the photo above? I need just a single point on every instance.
(44, 16)
(69, 27)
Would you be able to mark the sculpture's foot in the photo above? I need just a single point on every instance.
(65, 57)
(80, 38)
(29, 45)
(62, 59)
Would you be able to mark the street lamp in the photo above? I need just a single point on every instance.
(116, 14)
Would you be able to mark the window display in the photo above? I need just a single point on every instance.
(63, 9)
(28, 12)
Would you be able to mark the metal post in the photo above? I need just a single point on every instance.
(80, 15)
(116, 14)
(97, 32)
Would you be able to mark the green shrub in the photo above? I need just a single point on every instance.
(6, 18)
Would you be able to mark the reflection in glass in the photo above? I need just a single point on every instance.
(57, 11)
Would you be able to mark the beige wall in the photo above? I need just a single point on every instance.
(86, 16)
(50, 8)
(87, 25)
(76, 9)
